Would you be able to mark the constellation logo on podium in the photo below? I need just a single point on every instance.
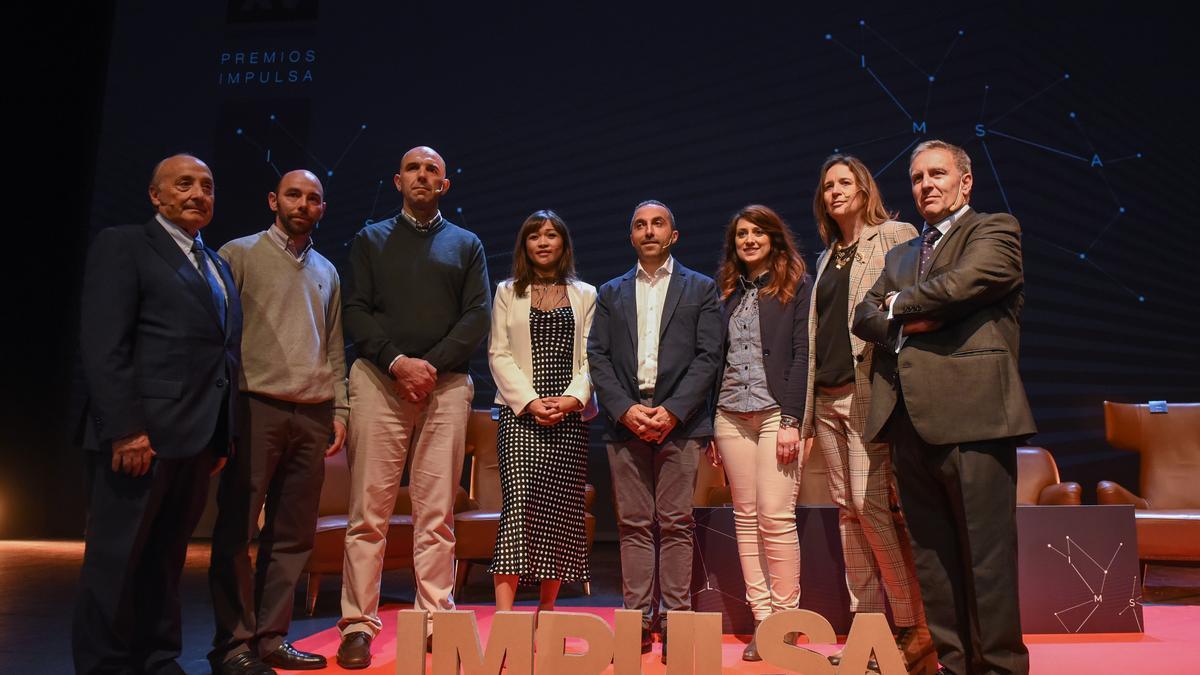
(1074, 553)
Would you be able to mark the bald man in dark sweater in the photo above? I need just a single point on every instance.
(416, 307)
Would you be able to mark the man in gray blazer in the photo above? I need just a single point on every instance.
(947, 395)
(654, 349)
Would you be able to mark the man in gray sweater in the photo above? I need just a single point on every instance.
(417, 306)
(293, 414)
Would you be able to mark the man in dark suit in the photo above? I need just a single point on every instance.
(654, 349)
(946, 393)
(160, 334)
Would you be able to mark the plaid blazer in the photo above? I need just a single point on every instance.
(873, 245)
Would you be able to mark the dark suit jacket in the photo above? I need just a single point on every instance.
(960, 383)
(154, 354)
(784, 329)
(689, 351)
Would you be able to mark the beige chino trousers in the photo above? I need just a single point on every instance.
(383, 429)
(764, 508)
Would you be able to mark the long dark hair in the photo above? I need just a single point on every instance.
(875, 212)
(786, 264)
(523, 271)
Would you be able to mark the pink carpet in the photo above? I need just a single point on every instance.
(1169, 645)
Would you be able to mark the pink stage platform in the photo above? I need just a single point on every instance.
(1169, 645)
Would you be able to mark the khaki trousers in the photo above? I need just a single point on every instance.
(874, 540)
(383, 428)
(764, 508)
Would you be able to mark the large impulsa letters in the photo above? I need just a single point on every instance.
(869, 634)
(695, 639)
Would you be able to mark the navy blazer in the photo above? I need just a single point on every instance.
(154, 353)
(689, 351)
(784, 328)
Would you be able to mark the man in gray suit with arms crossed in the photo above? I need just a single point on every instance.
(947, 395)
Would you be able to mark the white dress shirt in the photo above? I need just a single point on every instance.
(651, 294)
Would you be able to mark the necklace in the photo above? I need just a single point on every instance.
(548, 296)
(843, 254)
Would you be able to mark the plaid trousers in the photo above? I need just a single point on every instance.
(874, 538)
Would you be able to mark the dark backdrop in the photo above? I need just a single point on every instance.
(1078, 124)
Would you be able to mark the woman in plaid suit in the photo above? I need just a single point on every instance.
(858, 231)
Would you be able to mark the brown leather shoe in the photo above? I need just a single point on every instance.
(750, 653)
(355, 651)
(916, 644)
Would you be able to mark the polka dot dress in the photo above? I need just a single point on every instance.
(543, 469)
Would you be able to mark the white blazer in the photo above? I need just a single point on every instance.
(510, 355)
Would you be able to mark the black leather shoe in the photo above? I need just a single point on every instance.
(647, 640)
(243, 664)
(288, 657)
(355, 652)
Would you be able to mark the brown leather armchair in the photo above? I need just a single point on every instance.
(475, 528)
(333, 514)
(1038, 482)
(1168, 508)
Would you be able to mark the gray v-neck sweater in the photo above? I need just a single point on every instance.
(292, 347)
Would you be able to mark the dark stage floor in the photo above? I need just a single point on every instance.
(37, 594)
(38, 579)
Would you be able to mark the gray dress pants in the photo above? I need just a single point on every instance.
(653, 483)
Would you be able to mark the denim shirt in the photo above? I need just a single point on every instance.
(744, 385)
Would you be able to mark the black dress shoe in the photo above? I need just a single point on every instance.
(355, 652)
(287, 657)
(243, 664)
(647, 640)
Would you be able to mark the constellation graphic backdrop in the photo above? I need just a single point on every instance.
(590, 111)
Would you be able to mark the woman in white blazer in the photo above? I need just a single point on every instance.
(538, 357)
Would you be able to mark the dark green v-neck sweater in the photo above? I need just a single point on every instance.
(417, 293)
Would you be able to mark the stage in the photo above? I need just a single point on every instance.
(38, 579)
(1169, 645)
